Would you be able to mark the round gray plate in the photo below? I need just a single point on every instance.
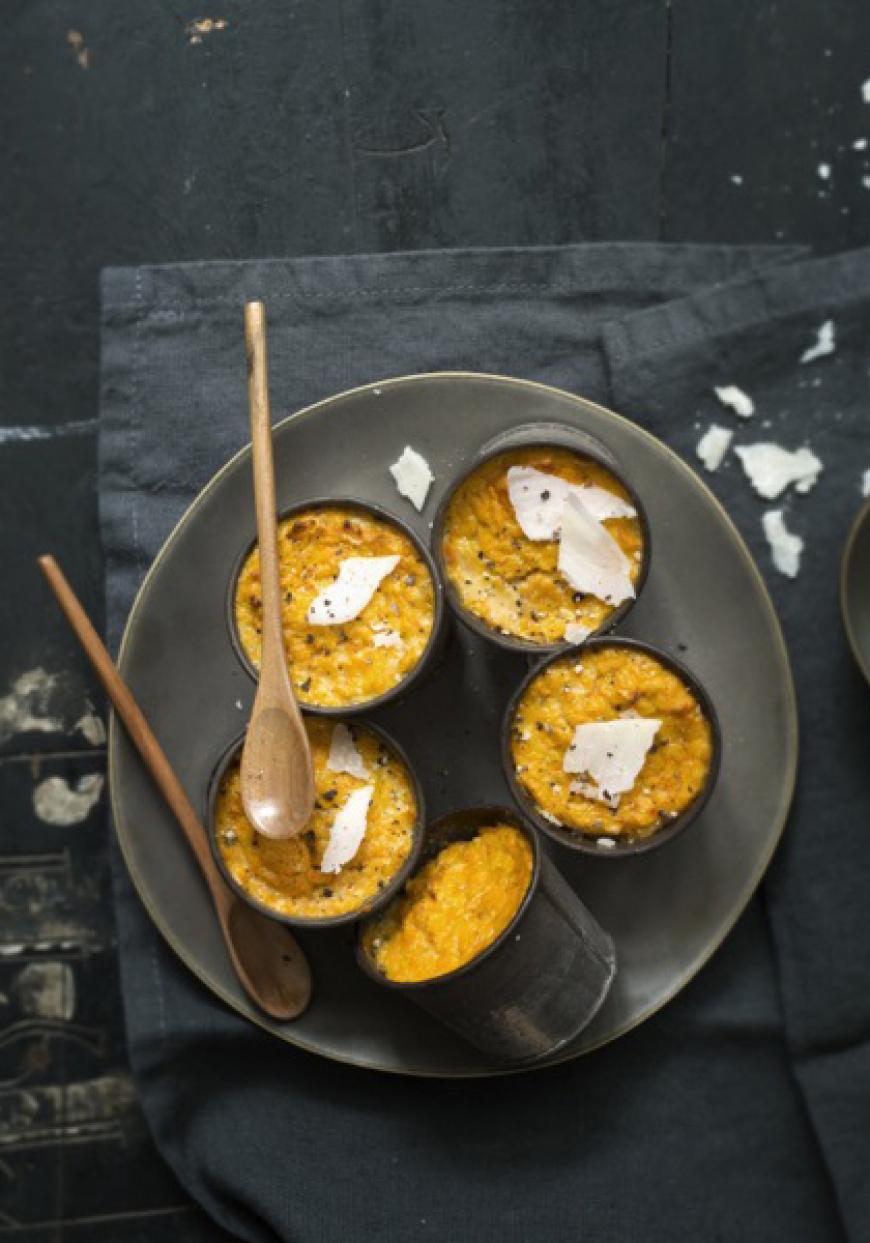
(855, 589)
(704, 600)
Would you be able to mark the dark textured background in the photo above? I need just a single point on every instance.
(316, 127)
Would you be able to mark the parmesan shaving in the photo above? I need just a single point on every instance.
(771, 469)
(735, 398)
(413, 476)
(865, 483)
(538, 500)
(343, 754)
(785, 548)
(348, 830)
(609, 755)
(358, 580)
(865, 91)
(824, 343)
(590, 558)
(713, 446)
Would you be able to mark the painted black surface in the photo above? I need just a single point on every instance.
(328, 127)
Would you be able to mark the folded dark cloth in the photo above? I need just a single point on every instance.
(738, 1112)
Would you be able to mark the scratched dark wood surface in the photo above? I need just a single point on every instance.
(319, 127)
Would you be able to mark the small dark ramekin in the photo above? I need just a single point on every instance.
(431, 653)
(539, 983)
(374, 904)
(544, 436)
(573, 838)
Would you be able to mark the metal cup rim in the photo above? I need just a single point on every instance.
(402, 688)
(481, 812)
(226, 757)
(573, 839)
(512, 643)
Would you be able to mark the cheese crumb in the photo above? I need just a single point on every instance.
(860, 144)
(865, 483)
(606, 843)
(548, 815)
(735, 398)
(358, 580)
(538, 500)
(343, 754)
(771, 469)
(785, 548)
(737, 179)
(576, 632)
(865, 182)
(610, 754)
(824, 343)
(348, 830)
(865, 91)
(824, 171)
(387, 638)
(413, 476)
(713, 446)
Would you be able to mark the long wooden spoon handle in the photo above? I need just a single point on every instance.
(264, 477)
(137, 727)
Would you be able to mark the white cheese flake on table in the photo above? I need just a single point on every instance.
(387, 638)
(713, 446)
(771, 469)
(576, 632)
(605, 843)
(343, 754)
(590, 558)
(538, 500)
(345, 598)
(824, 171)
(413, 476)
(860, 144)
(609, 754)
(737, 179)
(735, 398)
(348, 830)
(785, 548)
(865, 91)
(824, 343)
(865, 182)
(865, 483)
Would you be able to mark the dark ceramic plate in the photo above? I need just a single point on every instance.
(855, 589)
(704, 601)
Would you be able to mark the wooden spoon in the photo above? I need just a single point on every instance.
(277, 777)
(268, 961)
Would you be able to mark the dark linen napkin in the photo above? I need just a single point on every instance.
(740, 1111)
